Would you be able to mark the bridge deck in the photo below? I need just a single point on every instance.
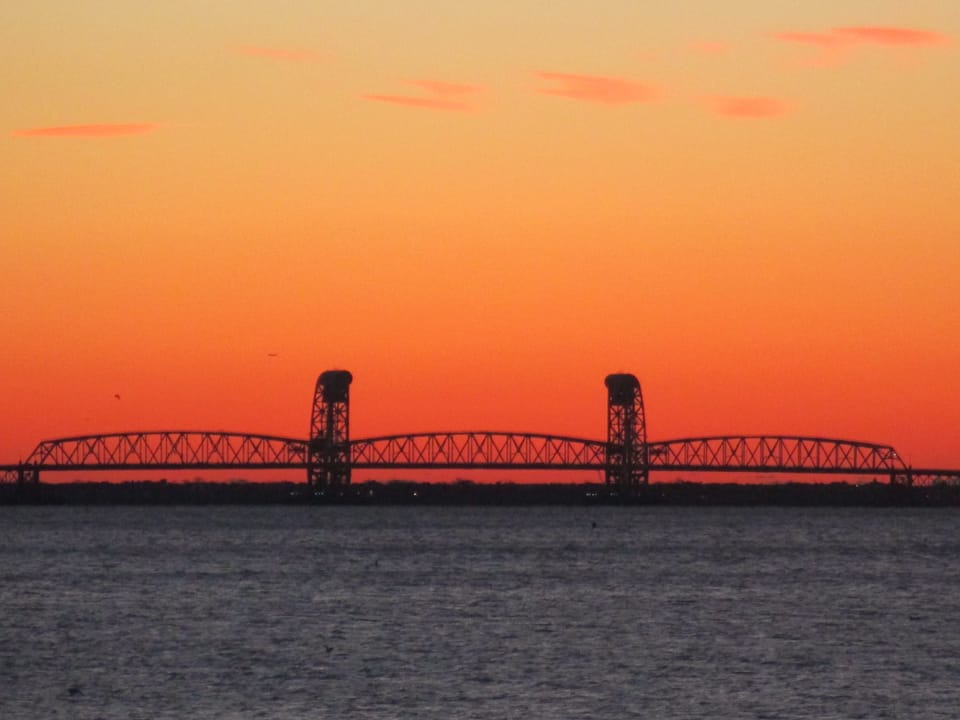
(465, 450)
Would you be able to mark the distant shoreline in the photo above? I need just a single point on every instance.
(482, 494)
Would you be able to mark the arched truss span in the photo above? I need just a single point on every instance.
(478, 450)
(170, 449)
(183, 449)
(768, 453)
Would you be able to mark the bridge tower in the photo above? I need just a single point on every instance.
(328, 467)
(627, 456)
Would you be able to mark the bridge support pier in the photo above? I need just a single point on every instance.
(328, 466)
(904, 478)
(627, 458)
(27, 475)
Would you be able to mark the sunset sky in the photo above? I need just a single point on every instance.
(481, 209)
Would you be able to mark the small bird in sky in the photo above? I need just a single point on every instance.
(273, 354)
(117, 395)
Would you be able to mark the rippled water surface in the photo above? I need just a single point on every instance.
(301, 612)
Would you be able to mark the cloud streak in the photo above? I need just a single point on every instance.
(597, 89)
(754, 108)
(834, 43)
(439, 95)
(279, 54)
(103, 130)
(891, 36)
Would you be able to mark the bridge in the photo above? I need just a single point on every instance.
(329, 455)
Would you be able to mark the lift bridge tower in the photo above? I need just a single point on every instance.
(328, 466)
(627, 457)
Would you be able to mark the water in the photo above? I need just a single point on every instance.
(300, 612)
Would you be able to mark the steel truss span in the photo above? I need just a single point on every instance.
(479, 450)
(329, 454)
(768, 453)
(184, 449)
(169, 450)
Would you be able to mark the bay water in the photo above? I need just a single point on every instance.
(453, 612)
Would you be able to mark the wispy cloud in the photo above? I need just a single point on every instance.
(88, 131)
(748, 107)
(280, 54)
(891, 36)
(598, 89)
(829, 48)
(440, 95)
(833, 45)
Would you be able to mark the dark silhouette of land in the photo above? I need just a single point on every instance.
(873, 494)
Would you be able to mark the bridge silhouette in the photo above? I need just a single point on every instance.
(329, 454)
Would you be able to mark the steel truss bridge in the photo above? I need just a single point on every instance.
(329, 455)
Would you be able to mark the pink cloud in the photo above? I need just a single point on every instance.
(281, 54)
(597, 89)
(748, 107)
(837, 42)
(890, 36)
(831, 48)
(89, 131)
(441, 95)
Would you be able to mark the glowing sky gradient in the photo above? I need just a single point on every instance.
(481, 209)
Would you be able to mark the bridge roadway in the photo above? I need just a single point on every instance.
(476, 450)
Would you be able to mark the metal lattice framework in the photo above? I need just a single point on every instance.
(774, 454)
(626, 455)
(10, 474)
(184, 449)
(625, 458)
(329, 447)
(479, 450)
(169, 450)
(932, 477)
(188, 449)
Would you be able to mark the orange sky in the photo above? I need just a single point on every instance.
(481, 211)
